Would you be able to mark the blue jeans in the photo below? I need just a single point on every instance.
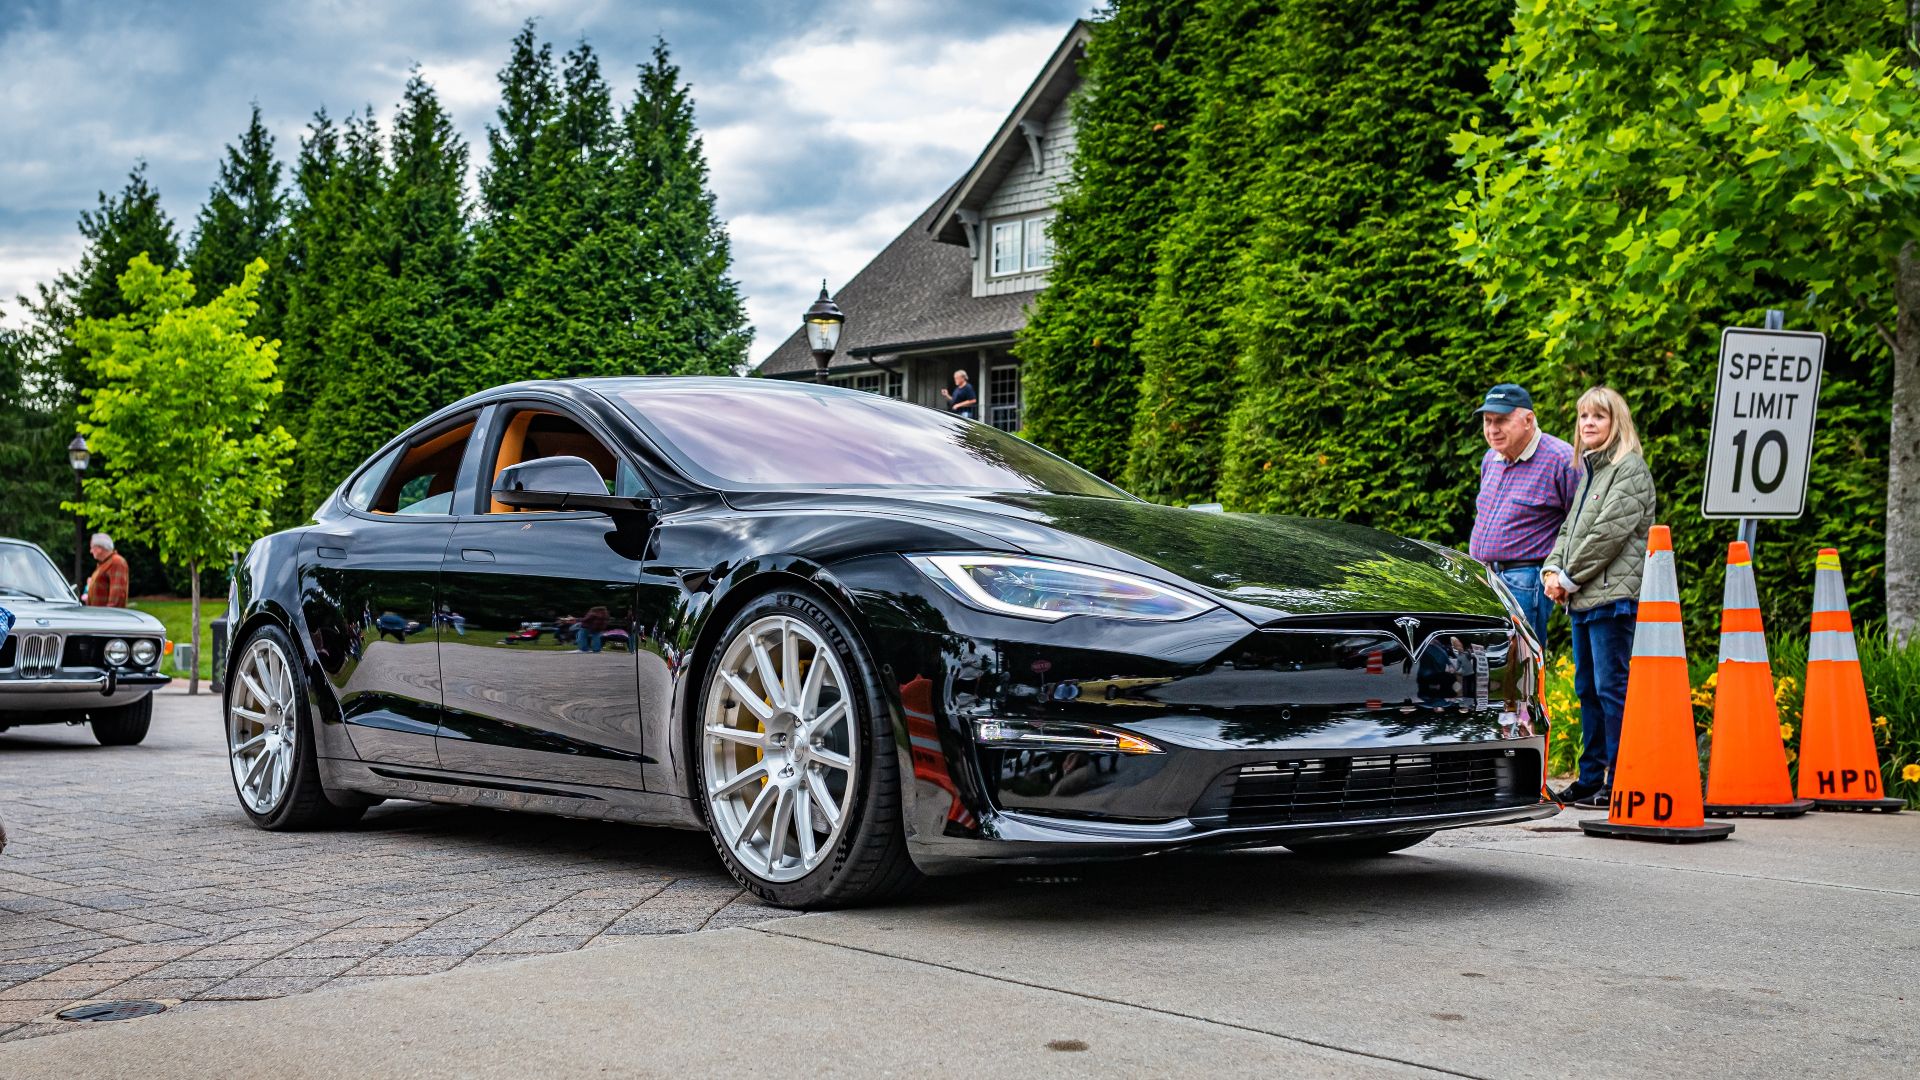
(1602, 649)
(1525, 583)
(590, 640)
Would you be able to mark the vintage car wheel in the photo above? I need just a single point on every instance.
(1364, 848)
(122, 725)
(796, 772)
(270, 740)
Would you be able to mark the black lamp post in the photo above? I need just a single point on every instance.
(77, 457)
(823, 320)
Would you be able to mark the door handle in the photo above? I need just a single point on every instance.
(476, 555)
(328, 552)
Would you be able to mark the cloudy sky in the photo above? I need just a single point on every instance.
(828, 127)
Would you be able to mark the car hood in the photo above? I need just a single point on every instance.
(1262, 566)
(69, 615)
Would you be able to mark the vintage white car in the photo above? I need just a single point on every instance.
(67, 663)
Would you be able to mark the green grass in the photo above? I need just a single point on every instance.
(177, 616)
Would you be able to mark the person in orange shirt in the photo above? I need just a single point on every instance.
(108, 585)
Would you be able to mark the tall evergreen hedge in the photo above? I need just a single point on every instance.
(1256, 245)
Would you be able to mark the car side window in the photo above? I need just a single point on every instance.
(361, 495)
(531, 433)
(423, 480)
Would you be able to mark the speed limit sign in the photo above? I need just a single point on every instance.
(1763, 410)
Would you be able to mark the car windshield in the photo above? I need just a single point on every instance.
(26, 571)
(762, 436)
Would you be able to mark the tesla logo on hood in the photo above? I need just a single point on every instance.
(1408, 627)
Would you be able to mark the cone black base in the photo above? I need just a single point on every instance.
(1793, 808)
(1883, 806)
(1690, 834)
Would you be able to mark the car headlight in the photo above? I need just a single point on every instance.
(1514, 611)
(116, 651)
(1044, 589)
(146, 651)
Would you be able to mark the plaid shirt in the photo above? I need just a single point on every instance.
(1523, 502)
(108, 585)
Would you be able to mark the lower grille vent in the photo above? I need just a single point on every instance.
(1372, 786)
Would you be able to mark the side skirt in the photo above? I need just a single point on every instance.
(563, 800)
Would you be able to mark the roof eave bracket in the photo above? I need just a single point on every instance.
(1036, 134)
(970, 221)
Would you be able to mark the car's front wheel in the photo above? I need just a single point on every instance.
(122, 725)
(795, 770)
(270, 739)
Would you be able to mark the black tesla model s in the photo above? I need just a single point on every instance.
(857, 640)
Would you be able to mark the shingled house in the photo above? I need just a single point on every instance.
(950, 292)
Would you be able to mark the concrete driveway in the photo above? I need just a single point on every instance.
(1529, 951)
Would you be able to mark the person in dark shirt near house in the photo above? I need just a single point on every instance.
(962, 399)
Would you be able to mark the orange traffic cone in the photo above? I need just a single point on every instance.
(1748, 771)
(1656, 780)
(1839, 768)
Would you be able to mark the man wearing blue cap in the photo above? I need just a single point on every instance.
(1528, 479)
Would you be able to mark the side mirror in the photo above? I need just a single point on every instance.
(559, 483)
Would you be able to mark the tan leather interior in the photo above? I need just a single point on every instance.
(532, 434)
(439, 455)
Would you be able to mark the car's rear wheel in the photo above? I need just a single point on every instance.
(122, 725)
(1364, 848)
(270, 740)
(795, 771)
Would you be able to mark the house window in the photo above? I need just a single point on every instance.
(1003, 397)
(1006, 248)
(885, 383)
(1039, 243)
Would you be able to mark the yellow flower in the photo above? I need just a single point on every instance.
(1713, 679)
(1911, 773)
(1786, 732)
(1879, 721)
(1791, 755)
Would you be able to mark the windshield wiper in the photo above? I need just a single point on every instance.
(20, 592)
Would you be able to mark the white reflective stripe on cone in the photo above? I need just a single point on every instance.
(1743, 646)
(1832, 645)
(1741, 591)
(1658, 583)
(1829, 592)
(1659, 639)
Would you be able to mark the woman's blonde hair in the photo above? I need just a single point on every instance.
(1624, 440)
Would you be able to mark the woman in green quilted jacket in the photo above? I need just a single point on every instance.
(1595, 571)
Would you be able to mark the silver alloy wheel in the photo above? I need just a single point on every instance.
(781, 749)
(263, 726)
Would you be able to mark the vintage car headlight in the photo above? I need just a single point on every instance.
(117, 651)
(1514, 611)
(145, 651)
(1049, 590)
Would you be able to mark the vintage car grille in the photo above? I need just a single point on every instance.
(33, 656)
(1363, 786)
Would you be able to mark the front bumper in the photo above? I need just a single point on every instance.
(70, 688)
(1302, 729)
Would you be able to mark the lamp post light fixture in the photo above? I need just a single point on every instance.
(77, 456)
(823, 321)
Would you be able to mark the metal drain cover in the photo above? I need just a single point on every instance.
(97, 1011)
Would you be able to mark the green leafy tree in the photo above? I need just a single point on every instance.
(1081, 362)
(179, 412)
(1362, 346)
(34, 475)
(1673, 168)
(121, 226)
(330, 274)
(244, 214)
(398, 342)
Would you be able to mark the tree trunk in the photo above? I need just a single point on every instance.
(193, 678)
(1903, 452)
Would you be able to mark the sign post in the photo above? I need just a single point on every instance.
(1763, 412)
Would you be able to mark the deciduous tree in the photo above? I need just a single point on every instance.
(179, 411)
